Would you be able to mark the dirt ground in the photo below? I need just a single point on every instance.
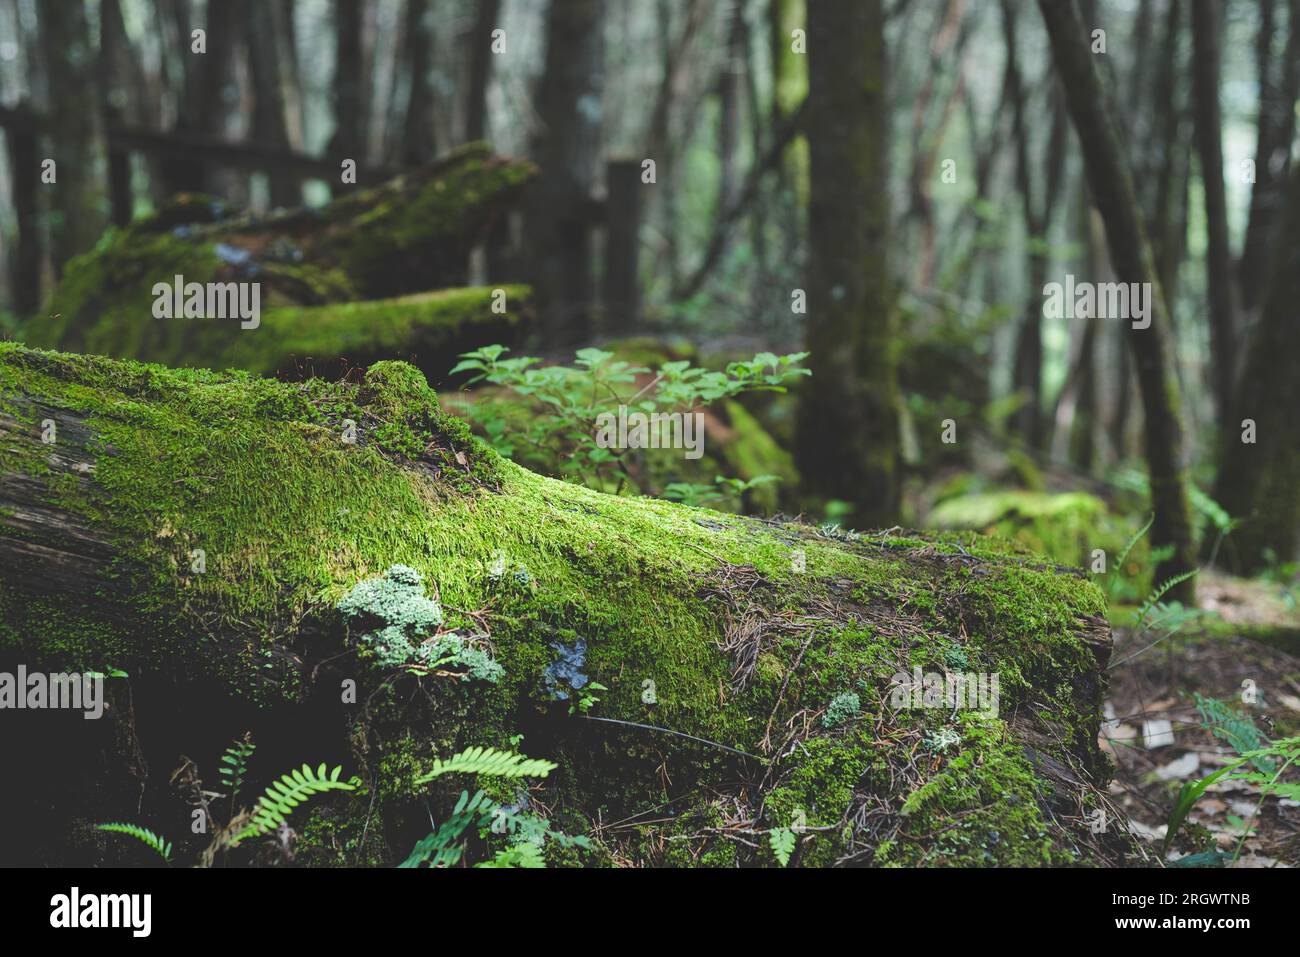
(1243, 652)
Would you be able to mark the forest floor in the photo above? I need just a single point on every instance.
(1245, 653)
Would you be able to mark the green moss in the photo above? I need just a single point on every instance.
(291, 517)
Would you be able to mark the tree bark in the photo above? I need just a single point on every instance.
(419, 144)
(1207, 24)
(568, 151)
(476, 112)
(75, 132)
(1130, 254)
(1259, 483)
(1275, 129)
(848, 415)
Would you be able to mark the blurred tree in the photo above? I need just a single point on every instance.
(848, 439)
(1207, 26)
(75, 133)
(567, 147)
(1259, 482)
(1112, 190)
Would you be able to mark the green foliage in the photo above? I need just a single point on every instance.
(782, 840)
(161, 846)
(444, 846)
(403, 625)
(548, 415)
(492, 761)
(292, 789)
(1260, 763)
(234, 764)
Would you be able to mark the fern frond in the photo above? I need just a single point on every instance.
(478, 760)
(1117, 568)
(161, 846)
(1159, 592)
(282, 796)
(234, 764)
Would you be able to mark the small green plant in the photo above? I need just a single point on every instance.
(586, 698)
(547, 416)
(148, 837)
(1259, 763)
(234, 764)
(290, 790)
(782, 841)
(271, 811)
(444, 846)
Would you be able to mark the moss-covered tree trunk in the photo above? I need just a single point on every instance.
(1259, 481)
(197, 531)
(848, 417)
(1130, 254)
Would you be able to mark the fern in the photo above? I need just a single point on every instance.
(1117, 568)
(478, 760)
(782, 840)
(282, 796)
(234, 764)
(161, 846)
(1159, 592)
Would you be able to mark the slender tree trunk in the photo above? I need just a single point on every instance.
(74, 132)
(1130, 254)
(120, 95)
(480, 68)
(418, 141)
(351, 116)
(267, 61)
(1259, 482)
(568, 151)
(1275, 131)
(848, 429)
(1207, 24)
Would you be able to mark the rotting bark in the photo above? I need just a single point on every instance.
(98, 533)
(1112, 190)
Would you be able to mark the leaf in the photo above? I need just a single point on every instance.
(478, 760)
(782, 840)
(161, 846)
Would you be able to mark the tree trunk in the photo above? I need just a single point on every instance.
(568, 151)
(418, 142)
(197, 531)
(350, 90)
(1113, 194)
(1275, 129)
(268, 63)
(1207, 24)
(75, 132)
(1259, 483)
(480, 66)
(848, 416)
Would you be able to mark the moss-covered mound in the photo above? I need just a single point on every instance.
(411, 234)
(750, 669)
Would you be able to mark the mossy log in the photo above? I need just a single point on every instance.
(409, 235)
(722, 639)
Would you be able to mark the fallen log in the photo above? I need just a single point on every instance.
(750, 669)
(412, 234)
